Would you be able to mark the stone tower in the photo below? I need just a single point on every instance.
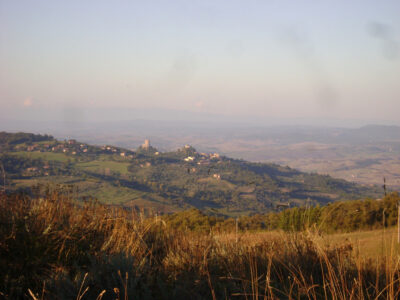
(146, 144)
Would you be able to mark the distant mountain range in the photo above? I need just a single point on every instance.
(166, 181)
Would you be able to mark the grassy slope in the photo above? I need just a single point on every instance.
(371, 244)
(99, 166)
(59, 249)
(60, 157)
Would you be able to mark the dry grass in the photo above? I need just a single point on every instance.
(368, 244)
(54, 248)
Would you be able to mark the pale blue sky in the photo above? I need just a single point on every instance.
(281, 59)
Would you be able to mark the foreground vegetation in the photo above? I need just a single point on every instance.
(340, 216)
(54, 248)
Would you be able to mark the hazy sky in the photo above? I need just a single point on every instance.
(267, 59)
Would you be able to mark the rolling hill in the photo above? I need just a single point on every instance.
(166, 181)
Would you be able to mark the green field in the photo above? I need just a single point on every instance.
(50, 156)
(103, 191)
(54, 180)
(99, 166)
(107, 193)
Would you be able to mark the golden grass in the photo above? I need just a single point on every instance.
(54, 248)
(366, 244)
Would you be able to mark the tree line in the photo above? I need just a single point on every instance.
(341, 216)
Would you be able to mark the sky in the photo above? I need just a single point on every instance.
(310, 61)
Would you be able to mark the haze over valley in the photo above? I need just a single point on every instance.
(363, 154)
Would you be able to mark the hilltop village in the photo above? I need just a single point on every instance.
(71, 148)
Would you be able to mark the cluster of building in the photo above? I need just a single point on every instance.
(45, 171)
(202, 158)
(74, 148)
(114, 150)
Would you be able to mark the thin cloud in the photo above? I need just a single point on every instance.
(304, 50)
(384, 33)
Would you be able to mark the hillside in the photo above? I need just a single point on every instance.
(169, 181)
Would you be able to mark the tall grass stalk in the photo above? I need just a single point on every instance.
(63, 249)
